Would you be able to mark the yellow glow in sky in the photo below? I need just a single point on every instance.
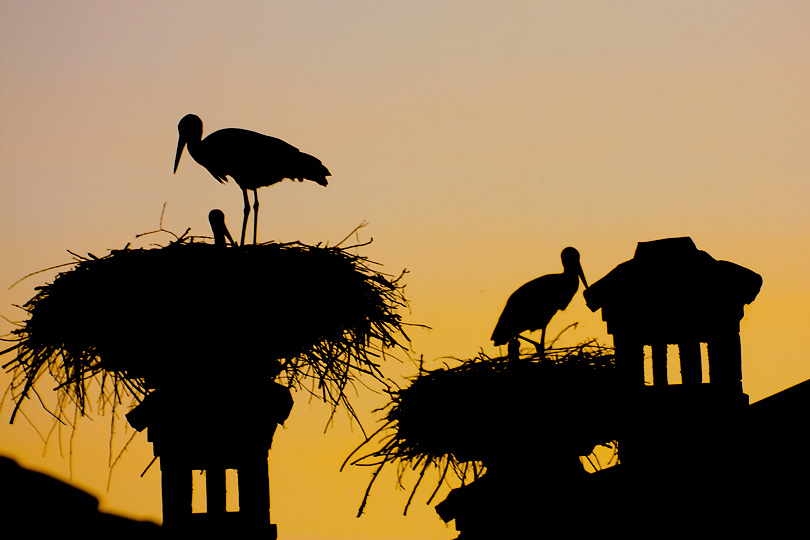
(478, 139)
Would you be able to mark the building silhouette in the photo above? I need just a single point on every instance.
(693, 454)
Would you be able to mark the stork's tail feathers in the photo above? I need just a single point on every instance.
(501, 335)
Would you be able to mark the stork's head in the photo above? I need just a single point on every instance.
(190, 129)
(571, 264)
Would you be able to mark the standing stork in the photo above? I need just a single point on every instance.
(253, 160)
(532, 306)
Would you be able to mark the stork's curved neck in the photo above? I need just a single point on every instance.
(193, 145)
(571, 269)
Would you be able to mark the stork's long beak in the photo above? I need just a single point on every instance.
(181, 143)
(582, 277)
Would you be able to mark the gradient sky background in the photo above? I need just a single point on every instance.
(478, 139)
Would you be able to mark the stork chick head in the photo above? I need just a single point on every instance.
(216, 218)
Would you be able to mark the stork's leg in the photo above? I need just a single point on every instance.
(247, 213)
(513, 349)
(541, 347)
(255, 214)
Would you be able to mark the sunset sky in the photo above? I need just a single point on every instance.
(476, 138)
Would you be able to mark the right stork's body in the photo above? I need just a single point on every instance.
(532, 306)
(253, 160)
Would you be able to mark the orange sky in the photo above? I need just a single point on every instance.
(477, 138)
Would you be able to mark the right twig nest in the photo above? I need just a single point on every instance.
(463, 418)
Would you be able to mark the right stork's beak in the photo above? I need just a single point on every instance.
(181, 143)
(582, 277)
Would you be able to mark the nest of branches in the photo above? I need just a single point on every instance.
(460, 420)
(314, 317)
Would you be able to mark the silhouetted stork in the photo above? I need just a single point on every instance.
(216, 218)
(532, 306)
(253, 160)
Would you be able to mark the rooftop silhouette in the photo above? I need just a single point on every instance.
(36, 504)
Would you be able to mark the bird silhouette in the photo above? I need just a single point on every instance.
(216, 218)
(253, 160)
(532, 306)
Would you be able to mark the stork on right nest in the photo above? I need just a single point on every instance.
(532, 306)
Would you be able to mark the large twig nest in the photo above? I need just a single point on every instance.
(149, 317)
